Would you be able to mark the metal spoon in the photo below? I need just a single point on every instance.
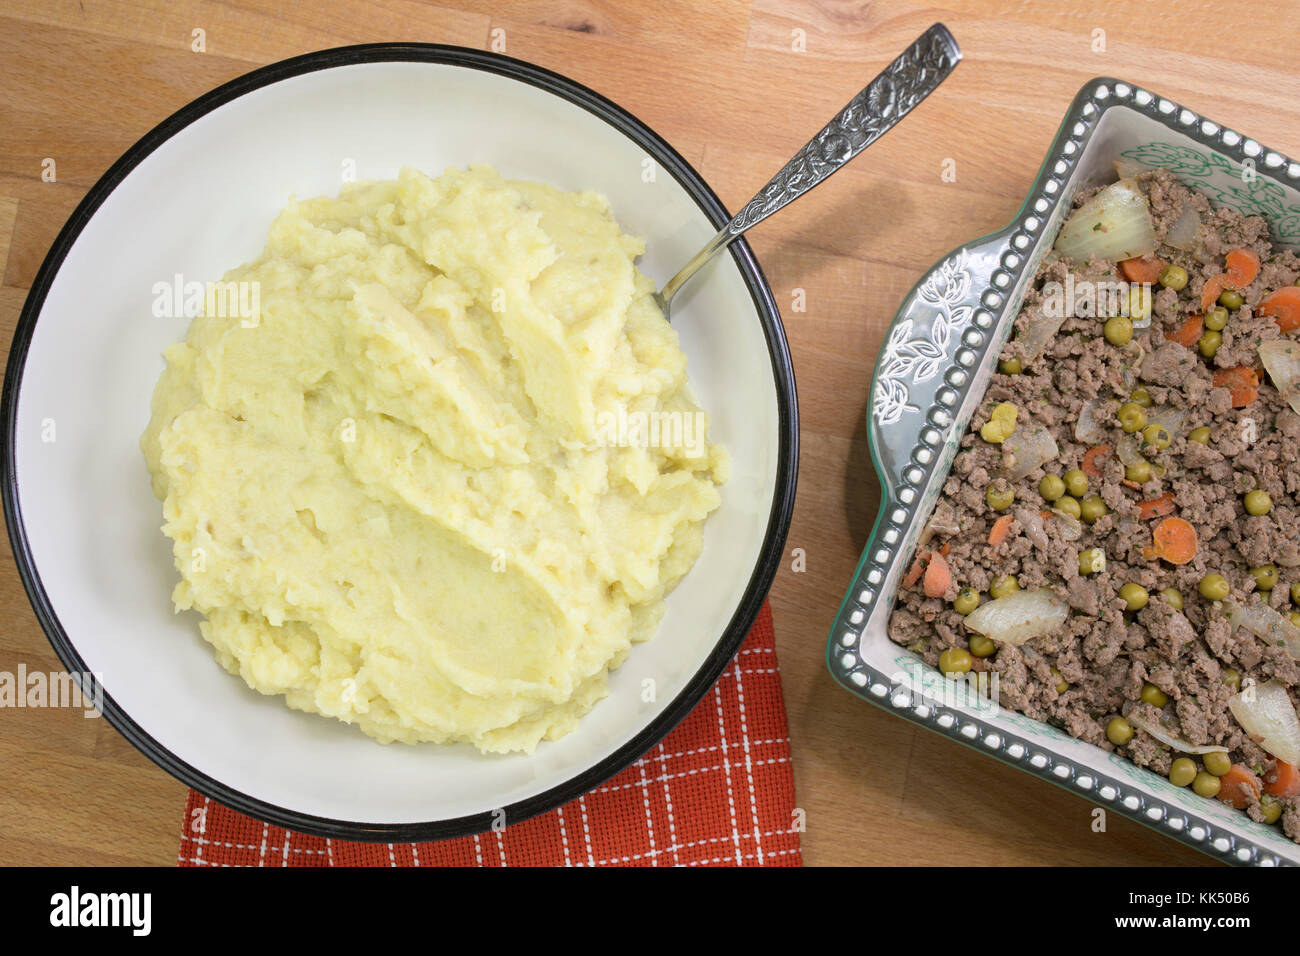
(873, 112)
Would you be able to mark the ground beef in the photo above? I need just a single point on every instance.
(1169, 364)
(1098, 665)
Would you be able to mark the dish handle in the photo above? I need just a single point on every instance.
(936, 360)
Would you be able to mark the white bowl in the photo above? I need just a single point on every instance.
(195, 197)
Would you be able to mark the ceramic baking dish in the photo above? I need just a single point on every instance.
(930, 375)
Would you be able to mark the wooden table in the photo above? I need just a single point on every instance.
(736, 86)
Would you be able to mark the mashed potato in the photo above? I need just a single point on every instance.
(440, 483)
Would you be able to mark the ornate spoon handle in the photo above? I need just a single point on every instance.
(868, 116)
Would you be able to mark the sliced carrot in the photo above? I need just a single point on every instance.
(916, 570)
(1174, 541)
(1001, 528)
(1189, 333)
(1090, 465)
(1214, 287)
(1230, 786)
(1156, 507)
(1243, 267)
(1241, 382)
(1142, 269)
(1284, 306)
(938, 576)
(1283, 780)
(945, 548)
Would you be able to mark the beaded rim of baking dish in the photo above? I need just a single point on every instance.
(760, 578)
(1019, 249)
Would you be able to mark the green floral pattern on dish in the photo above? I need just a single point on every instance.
(1227, 184)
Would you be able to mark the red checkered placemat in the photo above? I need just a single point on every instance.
(717, 791)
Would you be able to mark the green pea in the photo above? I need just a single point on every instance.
(1265, 577)
(1004, 586)
(1062, 685)
(1000, 500)
(1295, 593)
(967, 600)
(1051, 487)
(1214, 587)
(1272, 808)
(1157, 436)
(1209, 342)
(981, 646)
(1173, 277)
(1232, 679)
(1200, 435)
(1092, 561)
(1069, 505)
(1173, 597)
(1206, 784)
(1216, 319)
(954, 660)
(1011, 366)
(1231, 299)
(1217, 763)
(1140, 472)
(1140, 396)
(1153, 695)
(1118, 330)
(1076, 482)
(1258, 502)
(1091, 508)
(1135, 596)
(1119, 731)
(1295, 618)
(1132, 417)
(1182, 771)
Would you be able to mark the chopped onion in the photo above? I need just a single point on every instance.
(1071, 527)
(1032, 522)
(1266, 713)
(1126, 168)
(1026, 449)
(1135, 717)
(1182, 234)
(1281, 358)
(1113, 224)
(1170, 418)
(1128, 374)
(1039, 331)
(1019, 616)
(1129, 449)
(1262, 620)
(1089, 429)
(943, 521)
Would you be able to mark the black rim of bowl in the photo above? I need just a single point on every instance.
(778, 520)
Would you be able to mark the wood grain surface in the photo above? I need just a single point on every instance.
(736, 86)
